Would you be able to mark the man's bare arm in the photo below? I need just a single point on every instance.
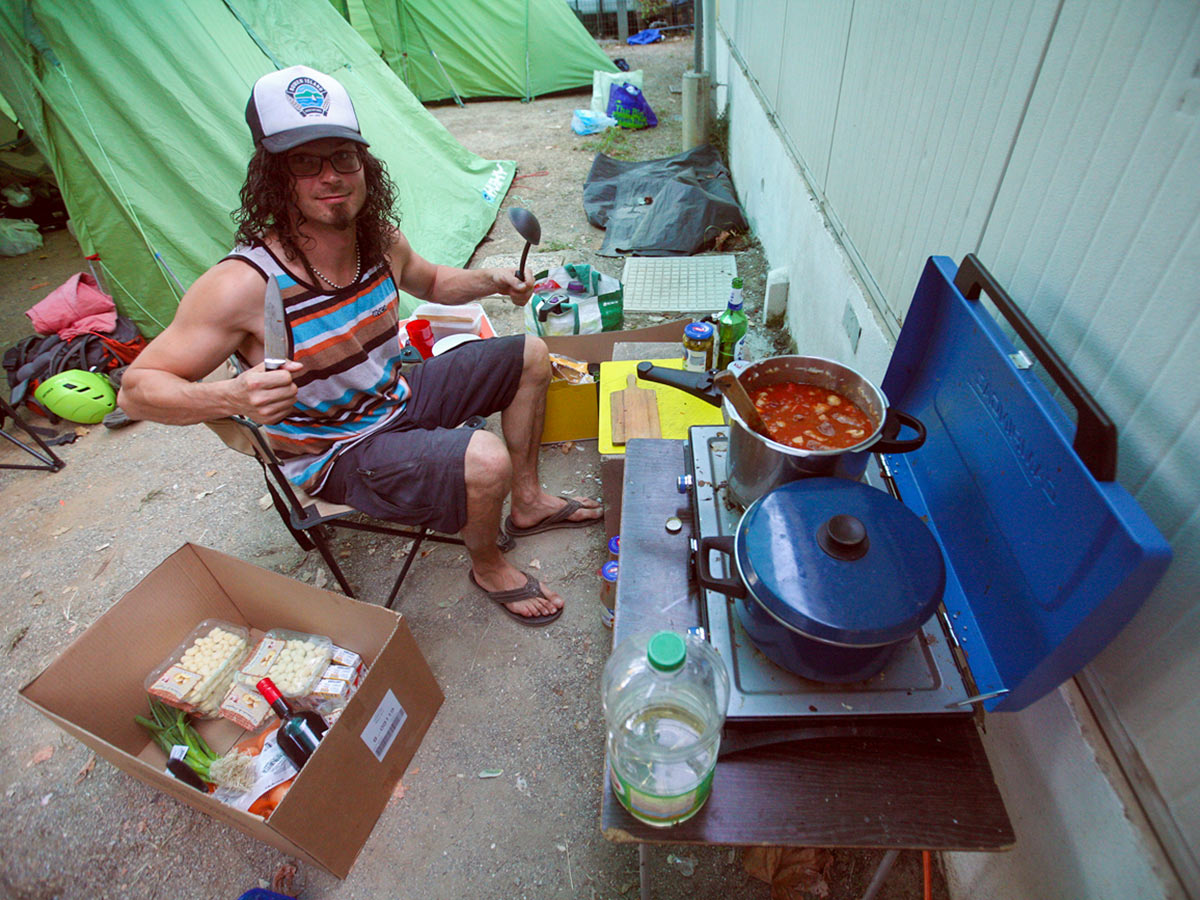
(221, 312)
(450, 286)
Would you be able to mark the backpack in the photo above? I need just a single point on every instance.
(35, 358)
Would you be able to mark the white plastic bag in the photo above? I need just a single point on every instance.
(18, 236)
(602, 83)
(587, 121)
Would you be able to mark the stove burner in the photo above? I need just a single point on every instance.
(921, 678)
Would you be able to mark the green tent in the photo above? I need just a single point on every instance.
(480, 48)
(138, 106)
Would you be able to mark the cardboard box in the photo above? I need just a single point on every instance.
(95, 688)
(573, 410)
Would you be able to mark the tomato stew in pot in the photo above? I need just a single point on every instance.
(810, 417)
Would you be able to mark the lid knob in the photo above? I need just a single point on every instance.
(843, 537)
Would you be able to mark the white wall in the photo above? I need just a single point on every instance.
(1089, 211)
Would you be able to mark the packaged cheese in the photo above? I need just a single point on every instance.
(292, 659)
(198, 673)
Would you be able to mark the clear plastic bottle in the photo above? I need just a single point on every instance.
(665, 698)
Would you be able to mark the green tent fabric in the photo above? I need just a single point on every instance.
(481, 48)
(139, 105)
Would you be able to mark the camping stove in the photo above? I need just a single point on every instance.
(921, 677)
(1047, 556)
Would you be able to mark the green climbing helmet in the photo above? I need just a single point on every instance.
(77, 396)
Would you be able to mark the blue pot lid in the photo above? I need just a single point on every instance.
(840, 561)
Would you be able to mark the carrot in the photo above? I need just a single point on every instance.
(265, 805)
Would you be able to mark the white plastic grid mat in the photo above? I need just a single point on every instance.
(678, 283)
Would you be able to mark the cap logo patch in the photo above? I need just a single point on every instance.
(309, 98)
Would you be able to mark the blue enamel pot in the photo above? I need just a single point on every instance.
(831, 577)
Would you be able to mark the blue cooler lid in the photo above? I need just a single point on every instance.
(840, 561)
(1049, 557)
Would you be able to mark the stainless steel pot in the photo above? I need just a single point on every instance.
(756, 463)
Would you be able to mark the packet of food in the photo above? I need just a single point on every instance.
(572, 371)
(245, 707)
(197, 674)
(293, 660)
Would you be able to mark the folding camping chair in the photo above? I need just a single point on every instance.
(47, 458)
(306, 516)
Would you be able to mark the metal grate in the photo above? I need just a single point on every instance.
(678, 283)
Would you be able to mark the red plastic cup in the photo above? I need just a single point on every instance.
(420, 335)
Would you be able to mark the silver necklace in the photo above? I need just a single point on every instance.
(334, 285)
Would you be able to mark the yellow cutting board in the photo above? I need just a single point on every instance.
(677, 411)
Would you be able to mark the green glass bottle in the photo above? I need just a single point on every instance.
(731, 328)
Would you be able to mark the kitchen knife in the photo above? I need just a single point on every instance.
(275, 333)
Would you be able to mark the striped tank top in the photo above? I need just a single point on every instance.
(351, 386)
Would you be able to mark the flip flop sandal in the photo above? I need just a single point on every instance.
(530, 591)
(560, 519)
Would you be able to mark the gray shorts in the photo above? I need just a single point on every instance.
(413, 472)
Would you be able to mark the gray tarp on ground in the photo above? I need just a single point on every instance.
(661, 207)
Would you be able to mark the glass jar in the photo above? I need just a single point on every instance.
(698, 346)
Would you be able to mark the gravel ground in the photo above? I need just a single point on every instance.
(523, 700)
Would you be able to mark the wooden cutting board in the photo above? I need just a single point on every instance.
(634, 413)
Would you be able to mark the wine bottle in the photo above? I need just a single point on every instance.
(299, 730)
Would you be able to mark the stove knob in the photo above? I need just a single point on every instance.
(683, 483)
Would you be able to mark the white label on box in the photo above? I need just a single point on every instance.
(385, 724)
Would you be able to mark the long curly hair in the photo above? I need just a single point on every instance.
(269, 194)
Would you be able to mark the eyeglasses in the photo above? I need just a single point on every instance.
(305, 165)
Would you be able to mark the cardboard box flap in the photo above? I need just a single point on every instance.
(598, 348)
(98, 682)
(386, 718)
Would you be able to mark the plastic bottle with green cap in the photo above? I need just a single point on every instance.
(732, 325)
(665, 697)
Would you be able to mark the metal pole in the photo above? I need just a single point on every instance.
(885, 866)
(622, 22)
(698, 36)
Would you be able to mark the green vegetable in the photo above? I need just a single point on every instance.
(170, 727)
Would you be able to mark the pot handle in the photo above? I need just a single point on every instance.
(698, 384)
(892, 421)
(730, 587)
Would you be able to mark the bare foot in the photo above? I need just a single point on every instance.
(506, 578)
(526, 515)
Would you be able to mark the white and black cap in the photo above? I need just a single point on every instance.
(298, 104)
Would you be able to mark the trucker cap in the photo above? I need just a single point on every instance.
(298, 104)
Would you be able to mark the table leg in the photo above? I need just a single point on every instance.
(643, 872)
(881, 874)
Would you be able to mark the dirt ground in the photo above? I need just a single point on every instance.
(522, 700)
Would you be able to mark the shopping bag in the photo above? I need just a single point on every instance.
(627, 104)
(574, 299)
(602, 83)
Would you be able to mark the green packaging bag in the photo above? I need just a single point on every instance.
(555, 309)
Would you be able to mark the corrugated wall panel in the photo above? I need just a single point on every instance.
(810, 73)
(1097, 229)
(931, 97)
(1060, 141)
(762, 36)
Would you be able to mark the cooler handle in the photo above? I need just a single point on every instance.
(730, 587)
(1095, 434)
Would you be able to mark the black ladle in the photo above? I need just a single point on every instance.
(529, 228)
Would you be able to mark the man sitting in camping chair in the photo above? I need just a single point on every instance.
(317, 216)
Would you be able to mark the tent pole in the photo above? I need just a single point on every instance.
(528, 93)
(441, 68)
